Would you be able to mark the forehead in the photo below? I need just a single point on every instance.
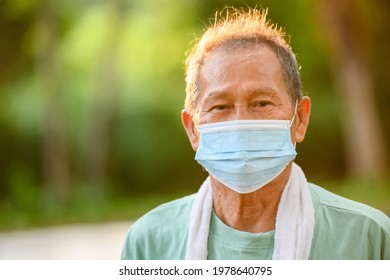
(262, 55)
(242, 69)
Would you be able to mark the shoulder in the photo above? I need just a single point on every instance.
(161, 227)
(176, 208)
(341, 224)
(328, 203)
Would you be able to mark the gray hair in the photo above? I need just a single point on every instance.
(239, 28)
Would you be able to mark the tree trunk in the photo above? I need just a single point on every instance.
(100, 117)
(55, 154)
(366, 150)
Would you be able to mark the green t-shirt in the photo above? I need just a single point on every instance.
(344, 229)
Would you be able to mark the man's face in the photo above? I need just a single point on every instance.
(245, 84)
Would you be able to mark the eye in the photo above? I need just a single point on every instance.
(219, 107)
(262, 103)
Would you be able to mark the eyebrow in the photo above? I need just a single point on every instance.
(266, 91)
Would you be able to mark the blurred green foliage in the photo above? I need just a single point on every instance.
(148, 151)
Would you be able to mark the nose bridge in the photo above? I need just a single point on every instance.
(242, 112)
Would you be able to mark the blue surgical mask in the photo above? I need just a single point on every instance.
(245, 155)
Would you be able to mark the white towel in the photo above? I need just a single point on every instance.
(294, 221)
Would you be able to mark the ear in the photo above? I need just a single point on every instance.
(302, 119)
(189, 126)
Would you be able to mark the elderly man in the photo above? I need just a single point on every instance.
(244, 114)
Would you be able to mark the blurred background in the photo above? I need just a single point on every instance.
(91, 94)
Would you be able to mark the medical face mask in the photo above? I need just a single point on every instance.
(245, 155)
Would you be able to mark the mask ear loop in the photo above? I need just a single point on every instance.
(195, 120)
(197, 127)
(293, 119)
(295, 113)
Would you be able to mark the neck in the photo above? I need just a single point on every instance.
(253, 212)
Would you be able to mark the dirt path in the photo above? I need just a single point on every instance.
(74, 242)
